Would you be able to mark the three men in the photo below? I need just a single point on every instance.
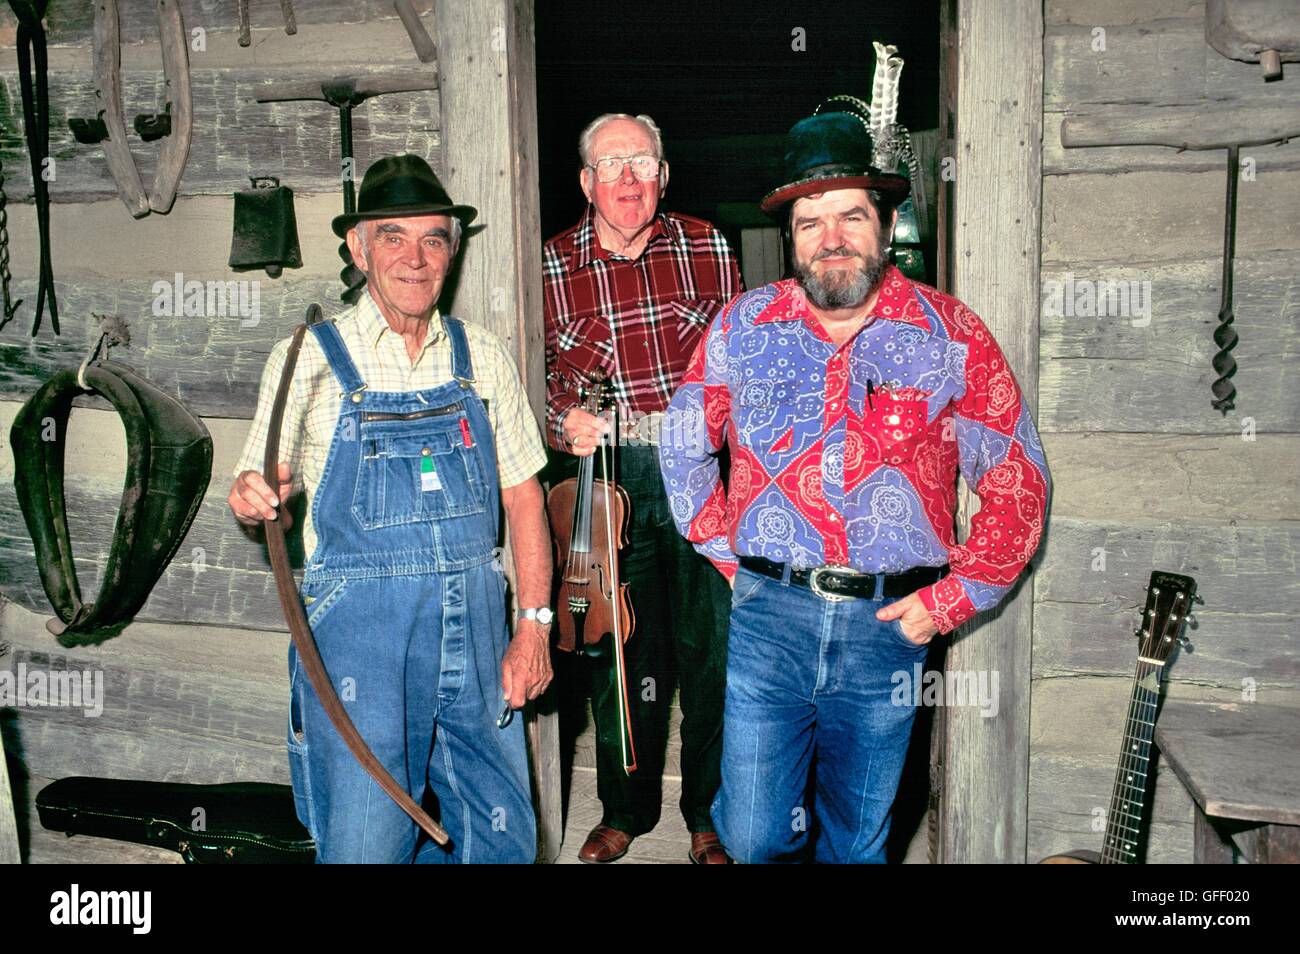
(408, 430)
(849, 397)
(629, 292)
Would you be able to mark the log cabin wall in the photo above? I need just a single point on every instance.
(1147, 475)
(196, 689)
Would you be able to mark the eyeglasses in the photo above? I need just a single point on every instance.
(610, 168)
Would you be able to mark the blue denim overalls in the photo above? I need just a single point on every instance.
(407, 604)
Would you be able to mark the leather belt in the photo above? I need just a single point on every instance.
(836, 583)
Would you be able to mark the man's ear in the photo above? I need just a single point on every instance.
(663, 179)
(354, 246)
(585, 180)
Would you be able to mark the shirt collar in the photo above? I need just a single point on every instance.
(374, 325)
(587, 247)
(896, 302)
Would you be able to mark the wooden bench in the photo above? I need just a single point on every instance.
(1241, 765)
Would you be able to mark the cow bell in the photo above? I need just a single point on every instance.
(265, 232)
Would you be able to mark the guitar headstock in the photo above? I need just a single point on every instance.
(1169, 604)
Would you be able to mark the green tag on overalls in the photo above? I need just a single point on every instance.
(428, 476)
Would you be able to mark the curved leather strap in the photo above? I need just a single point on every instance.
(300, 630)
(168, 466)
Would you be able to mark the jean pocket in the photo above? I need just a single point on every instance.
(896, 627)
(296, 742)
(746, 587)
(319, 597)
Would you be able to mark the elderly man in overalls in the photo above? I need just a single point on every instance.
(409, 431)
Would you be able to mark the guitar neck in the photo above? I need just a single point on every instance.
(1128, 796)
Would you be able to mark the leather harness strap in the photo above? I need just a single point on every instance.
(168, 465)
(34, 85)
(303, 640)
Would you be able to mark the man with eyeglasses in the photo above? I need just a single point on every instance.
(630, 292)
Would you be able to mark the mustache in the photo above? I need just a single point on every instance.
(842, 252)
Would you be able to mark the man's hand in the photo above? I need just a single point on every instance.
(912, 616)
(526, 668)
(582, 431)
(252, 501)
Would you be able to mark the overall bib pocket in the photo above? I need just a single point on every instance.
(409, 475)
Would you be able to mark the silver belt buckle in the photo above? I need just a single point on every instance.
(814, 583)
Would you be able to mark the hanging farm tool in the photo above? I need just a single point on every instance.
(33, 77)
(245, 25)
(345, 94)
(174, 125)
(1197, 127)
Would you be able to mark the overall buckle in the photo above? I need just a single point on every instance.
(814, 583)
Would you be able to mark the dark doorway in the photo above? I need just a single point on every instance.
(724, 81)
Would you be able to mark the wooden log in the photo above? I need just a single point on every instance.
(1163, 217)
(71, 22)
(1149, 371)
(1173, 476)
(179, 353)
(1239, 565)
(1092, 13)
(997, 223)
(1197, 126)
(488, 95)
(1234, 648)
(219, 576)
(179, 703)
(234, 136)
(1059, 161)
(1162, 62)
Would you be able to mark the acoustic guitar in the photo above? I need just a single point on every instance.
(1169, 601)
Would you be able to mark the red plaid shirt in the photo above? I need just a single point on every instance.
(637, 321)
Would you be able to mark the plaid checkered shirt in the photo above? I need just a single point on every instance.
(637, 321)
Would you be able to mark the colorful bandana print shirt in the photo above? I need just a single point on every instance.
(848, 456)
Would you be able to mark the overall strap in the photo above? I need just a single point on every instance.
(462, 368)
(336, 353)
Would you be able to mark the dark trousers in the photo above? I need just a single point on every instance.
(682, 605)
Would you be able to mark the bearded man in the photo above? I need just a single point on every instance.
(850, 397)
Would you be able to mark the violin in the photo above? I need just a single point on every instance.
(589, 520)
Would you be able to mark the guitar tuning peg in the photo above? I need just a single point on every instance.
(1197, 599)
(1185, 643)
(1191, 621)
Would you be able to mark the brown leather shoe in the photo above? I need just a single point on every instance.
(604, 845)
(706, 849)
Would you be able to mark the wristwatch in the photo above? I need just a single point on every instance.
(543, 615)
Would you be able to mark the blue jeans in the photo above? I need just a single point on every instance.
(813, 743)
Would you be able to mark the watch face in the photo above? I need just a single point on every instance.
(544, 615)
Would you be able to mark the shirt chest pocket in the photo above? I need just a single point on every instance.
(411, 474)
(895, 430)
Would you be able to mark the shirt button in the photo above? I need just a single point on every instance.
(892, 419)
(356, 399)
(425, 451)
